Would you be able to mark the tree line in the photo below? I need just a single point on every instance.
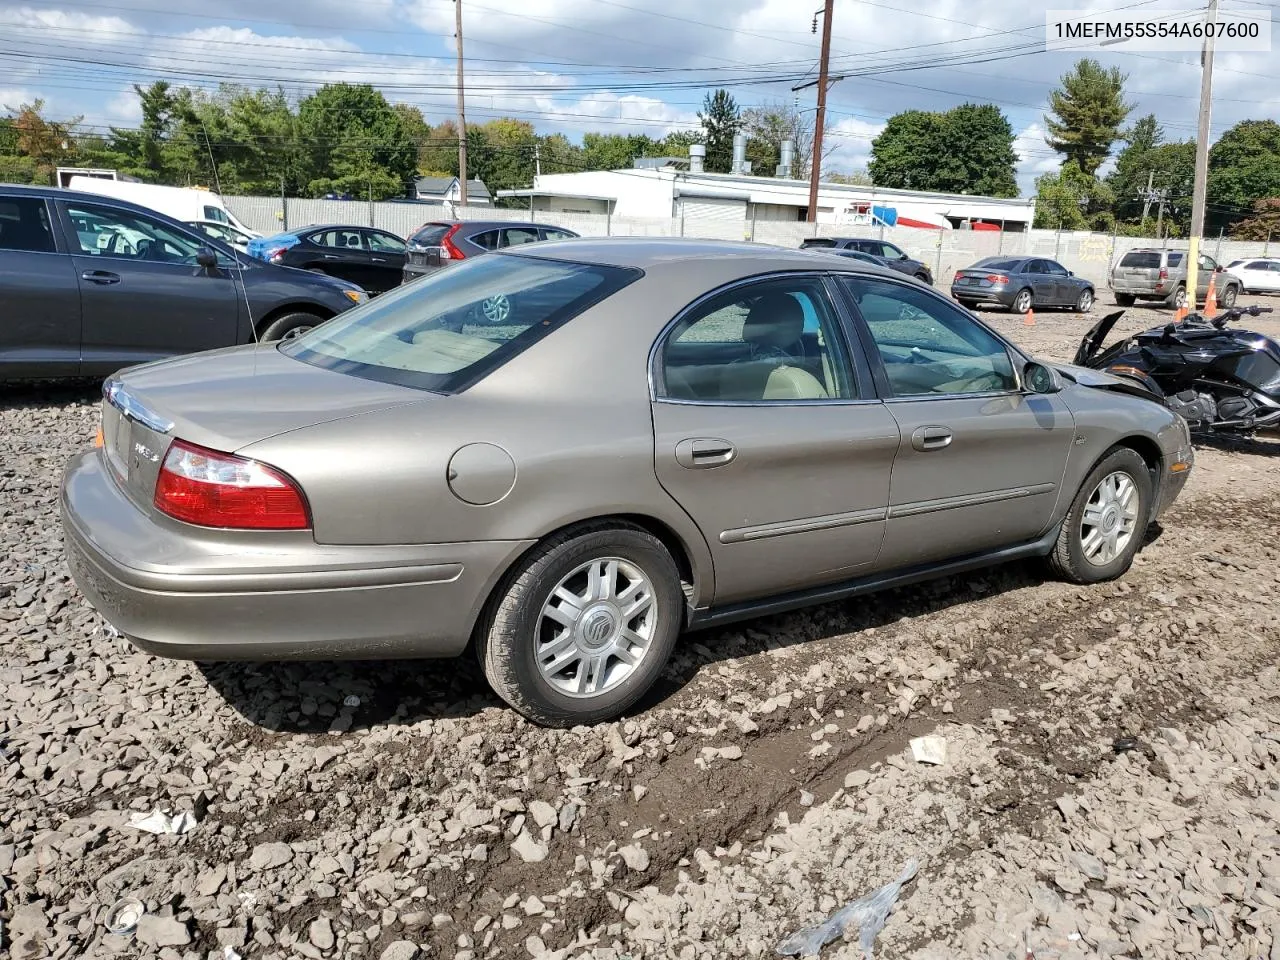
(347, 139)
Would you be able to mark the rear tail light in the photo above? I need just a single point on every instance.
(997, 278)
(448, 249)
(275, 253)
(213, 489)
(1164, 274)
(957, 276)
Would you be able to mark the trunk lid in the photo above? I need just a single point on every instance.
(976, 277)
(225, 400)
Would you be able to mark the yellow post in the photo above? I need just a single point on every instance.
(1193, 265)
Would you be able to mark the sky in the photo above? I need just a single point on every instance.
(611, 66)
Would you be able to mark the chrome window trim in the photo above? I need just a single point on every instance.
(660, 339)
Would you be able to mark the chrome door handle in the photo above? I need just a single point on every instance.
(700, 453)
(378, 260)
(100, 276)
(925, 439)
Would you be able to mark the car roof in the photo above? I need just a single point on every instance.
(490, 224)
(649, 252)
(312, 227)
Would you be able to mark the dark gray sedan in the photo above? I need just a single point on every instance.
(1020, 283)
(442, 242)
(881, 251)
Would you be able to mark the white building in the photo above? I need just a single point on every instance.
(652, 191)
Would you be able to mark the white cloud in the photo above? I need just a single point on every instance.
(1034, 157)
(851, 138)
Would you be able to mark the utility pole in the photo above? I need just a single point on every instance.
(462, 117)
(537, 159)
(1146, 196)
(1202, 160)
(815, 166)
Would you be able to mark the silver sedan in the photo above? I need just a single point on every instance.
(566, 455)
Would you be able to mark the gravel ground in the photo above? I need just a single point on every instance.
(1109, 789)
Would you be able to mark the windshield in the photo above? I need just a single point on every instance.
(430, 235)
(446, 331)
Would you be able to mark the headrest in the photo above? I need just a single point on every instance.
(775, 320)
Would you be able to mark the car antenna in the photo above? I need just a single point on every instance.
(235, 254)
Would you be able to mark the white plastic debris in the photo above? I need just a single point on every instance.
(351, 701)
(122, 919)
(159, 821)
(931, 749)
(863, 918)
(229, 953)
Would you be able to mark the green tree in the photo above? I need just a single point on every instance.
(1133, 164)
(721, 120)
(1073, 200)
(1087, 114)
(906, 153)
(440, 154)
(415, 127)
(559, 155)
(355, 143)
(968, 149)
(1244, 167)
(677, 143)
(615, 151)
(854, 178)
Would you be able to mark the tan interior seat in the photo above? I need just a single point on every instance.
(772, 328)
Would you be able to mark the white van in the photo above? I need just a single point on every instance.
(181, 203)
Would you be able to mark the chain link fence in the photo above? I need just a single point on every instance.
(1089, 255)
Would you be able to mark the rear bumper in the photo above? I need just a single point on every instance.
(189, 593)
(1134, 289)
(412, 271)
(1003, 295)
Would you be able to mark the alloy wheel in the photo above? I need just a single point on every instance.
(1110, 518)
(1022, 302)
(294, 332)
(596, 627)
(1085, 304)
(497, 308)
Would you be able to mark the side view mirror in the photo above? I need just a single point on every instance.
(1071, 273)
(1041, 379)
(206, 258)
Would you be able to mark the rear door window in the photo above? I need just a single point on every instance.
(1175, 260)
(24, 225)
(550, 234)
(489, 239)
(513, 236)
(339, 239)
(383, 242)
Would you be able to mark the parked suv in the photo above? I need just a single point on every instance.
(893, 256)
(442, 242)
(90, 284)
(1150, 273)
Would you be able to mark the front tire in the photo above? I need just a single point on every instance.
(289, 326)
(584, 625)
(1107, 521)
(1084, 303)
(1228, 298)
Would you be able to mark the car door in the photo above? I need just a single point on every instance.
(771, 439)
(39, 295)
(143, 296)
(1205, 268)
(514, 236)
(1268, 276)
(1035, 274)
(342, 254)
(1065, 288)
(981, 460)
(386, 258)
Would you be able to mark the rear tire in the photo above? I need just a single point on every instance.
(1178, 299)
(289, 326)
(543, 654)
(1125, 299)
(1107, 521)
(1022, 302)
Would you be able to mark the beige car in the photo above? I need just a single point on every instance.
(1157, 274)
(649, 436)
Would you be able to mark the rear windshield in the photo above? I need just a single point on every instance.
(1142, 260)
(446, 331)
(818, 242)
(1175, 259)
(999, 264)
(430, 235)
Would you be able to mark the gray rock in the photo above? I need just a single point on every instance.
(266, 856)
(543, 813)
(162, 931)
(320, 933)
(635, 857)
(528, 849)
(400, 950)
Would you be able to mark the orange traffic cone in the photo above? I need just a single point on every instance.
(1211, 299)
(1180, 314)
(1029, 318)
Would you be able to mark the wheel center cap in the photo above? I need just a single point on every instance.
(1110, 519)
(598, 626)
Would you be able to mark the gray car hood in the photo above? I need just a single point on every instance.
(227, 399)
(1086, 377)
